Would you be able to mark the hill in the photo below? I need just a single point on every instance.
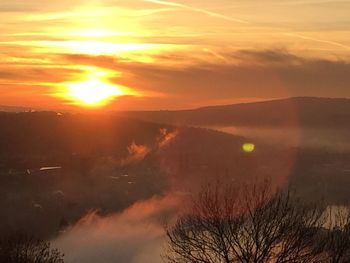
(4, 108)
(300, 111)
(56, 167)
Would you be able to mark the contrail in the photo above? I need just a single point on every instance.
(200, 10)
(215, 54)
(228, 18)
(318, 40)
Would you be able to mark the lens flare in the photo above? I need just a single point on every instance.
(248, 147)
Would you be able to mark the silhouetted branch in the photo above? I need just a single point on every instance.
(246, 224)
(22, 248)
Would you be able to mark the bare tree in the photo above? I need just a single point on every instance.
(246, 224)
(336, 241)
(22, 248)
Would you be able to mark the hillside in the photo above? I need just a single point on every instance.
(56, 167)
(303, 111)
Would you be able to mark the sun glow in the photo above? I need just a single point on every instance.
(93, 92)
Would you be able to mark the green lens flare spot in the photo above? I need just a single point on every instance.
(248, 147)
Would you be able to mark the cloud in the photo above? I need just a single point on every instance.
(32, 6)
(263, 25)
(188, 62)
(248, 73)
(134, 236)
(228, 79)
(30, 73)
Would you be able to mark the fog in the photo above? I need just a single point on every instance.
(330, 138)
(135, 235)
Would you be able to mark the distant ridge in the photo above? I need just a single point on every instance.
(306, 111)
(301, 111)
(4, 108)
(292, 99)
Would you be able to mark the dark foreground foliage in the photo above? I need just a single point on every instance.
(22, 248)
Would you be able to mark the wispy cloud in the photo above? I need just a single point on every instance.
(232, 19)
(172, 48)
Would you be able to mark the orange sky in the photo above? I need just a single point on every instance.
(153, 54)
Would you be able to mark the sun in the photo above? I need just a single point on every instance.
(93, 92)
(93, 88)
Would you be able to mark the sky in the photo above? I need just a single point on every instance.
(155, 54)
